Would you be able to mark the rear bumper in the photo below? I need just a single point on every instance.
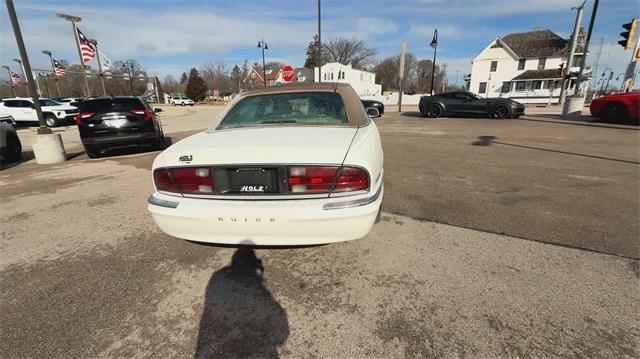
(518, 111)
(121, 139)
(269, 223)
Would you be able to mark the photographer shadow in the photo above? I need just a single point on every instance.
(241, 318)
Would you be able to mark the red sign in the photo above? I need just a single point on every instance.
(287, 73)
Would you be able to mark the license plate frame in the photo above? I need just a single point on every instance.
(253, 180)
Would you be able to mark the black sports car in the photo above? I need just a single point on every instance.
(468, 103)
(375, 104)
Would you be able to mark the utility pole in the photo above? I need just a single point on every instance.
(403, 49)
(574, 42)
(155, 87)
(73, 20)
(457, 71)
(38, 89)
(13, 89)
(319, 44)
(585, 51)
(43, 129)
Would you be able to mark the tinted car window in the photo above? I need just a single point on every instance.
(11, 103)
(315, 108)
(112, 105)
(24, 104)
(48, 103)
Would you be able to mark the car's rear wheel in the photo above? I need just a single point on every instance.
(51, 120)
(433, 111)
(501, 112)
(614, 112)
(92, 152)
(14, 148)
(159, 144)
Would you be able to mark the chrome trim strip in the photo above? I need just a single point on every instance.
(354, 203)
(161, 202)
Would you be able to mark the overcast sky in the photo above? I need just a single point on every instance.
(170, 37)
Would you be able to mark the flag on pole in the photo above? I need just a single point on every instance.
(59, 69)
(86, 48)
(105, 61)
(15, 78)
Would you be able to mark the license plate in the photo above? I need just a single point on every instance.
(115, 123)
(253, 180)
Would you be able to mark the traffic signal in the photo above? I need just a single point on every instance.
(628, 35)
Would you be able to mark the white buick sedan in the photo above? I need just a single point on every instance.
(286, 165)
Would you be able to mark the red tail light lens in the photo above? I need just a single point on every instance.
(184, 179)
(322, 179)
(142, 111)
(83, 115)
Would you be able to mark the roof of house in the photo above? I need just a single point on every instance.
(541, 43)
(539, 74)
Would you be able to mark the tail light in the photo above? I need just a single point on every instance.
(142, 111)
(325, 179)
(82, 116)
(184, 179)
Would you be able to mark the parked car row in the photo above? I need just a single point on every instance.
(23, 110)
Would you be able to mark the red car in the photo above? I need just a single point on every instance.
(621, 107)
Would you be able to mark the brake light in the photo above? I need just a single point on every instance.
(142, 111)
(184, 179)
(83, 115)
(324, 179)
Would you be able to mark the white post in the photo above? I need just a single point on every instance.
(574, 43)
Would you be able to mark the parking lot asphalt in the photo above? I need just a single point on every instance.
(86, 273)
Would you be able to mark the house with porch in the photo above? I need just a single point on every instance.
(526, 67)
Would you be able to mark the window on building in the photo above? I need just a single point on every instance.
(506, 86)
(546, 84)
(253, 75)
(482, 88)
(521, 64)
(494, 66)
(577, 61)
(332, 76)
(537, 85)
(520, 86)
(541, 62)
(361, 77)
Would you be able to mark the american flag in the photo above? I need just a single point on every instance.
(15, 79)
(59, 69)
(86, 48)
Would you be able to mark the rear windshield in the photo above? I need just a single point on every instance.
(112, 105)
(49, 103)
(306, 108)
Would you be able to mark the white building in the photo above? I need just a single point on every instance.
(525, 67)
(363, 82)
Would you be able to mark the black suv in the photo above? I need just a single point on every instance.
(110, 122)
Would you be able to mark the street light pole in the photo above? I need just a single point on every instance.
(574, 43)
(24, 76)
(263, 45)
(43, 129)
(53, 68)
(319, 45)
(73, 20)
(434, 45)
(129, 67)
(95, 43)
(586, 46)
(13, 89)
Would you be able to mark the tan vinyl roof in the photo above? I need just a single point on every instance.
(356, 115)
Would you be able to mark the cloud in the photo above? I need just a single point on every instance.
(486, 8)
(426, 31)
(376, 25)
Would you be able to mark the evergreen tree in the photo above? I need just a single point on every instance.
(196, 88)
(236, 79)
(315, 56)
(183, 78)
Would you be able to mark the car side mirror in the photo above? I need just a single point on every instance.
(373, 112)
(157, 109)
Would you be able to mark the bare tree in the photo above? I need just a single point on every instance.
(350, 51)
(388, 73)
(274, 65)
(216, 76)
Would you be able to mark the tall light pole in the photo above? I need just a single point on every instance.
(263, 45)
(73, 20)
(13, 89)
(53, 68)
(602, 88)
(434, 46)
(319, 45)
(586, 46)
(24, 76)
(43, 129)
(574, 43)
(95, 43)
